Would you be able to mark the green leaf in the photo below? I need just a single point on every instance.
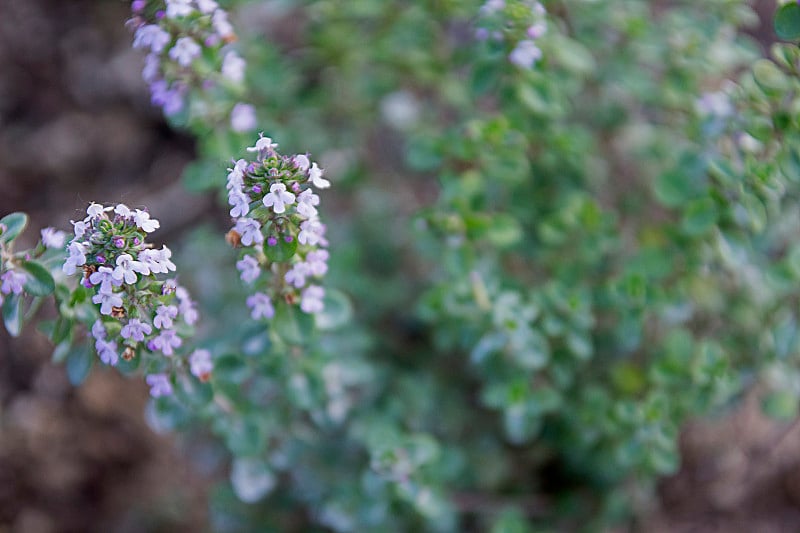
(504, 231)
(230, 368)
(337, 311)
(79, 363)
(39, 282)
(61, 351)
(769, 77)
(682, 183)
(699, 216)
(787, 22)
(14, 225)
(485, 77)
(282, 251)
(291, 324)
(12, 314)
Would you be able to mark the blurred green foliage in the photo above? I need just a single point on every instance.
(551, 269)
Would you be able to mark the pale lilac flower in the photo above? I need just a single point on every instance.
(243, 118)
(240, 202)
(538, 9)
(207, 6)
(260, 306)
(263, 144)
(492, 6)
(136, 329)
(98, 331)
(250, 231)
(717, 104)
(278, 198)
(315, 175)
(105, 278)
(179, 8)
(12, 282)
(166, 341)
(152, 64)
(169, 98)
(159, 385)
(77, 257)
(311, 232)
(123, 211)
(107, 350)
(311, 299)
(158, 261)
(249, 268)
(317, 262)
(200, 364)
(94, 210)
(79, 228)
(236, 175)
(537, 30)
(525, 54)
(306, 202)
(221, 24)
(165, 314)
(188, 311)
(297, 275)
(127, 267)
(302, 162)
(185, 51)
(233, 67)
(107, 301)
(151, 36)
(144, 222)
(53, 238)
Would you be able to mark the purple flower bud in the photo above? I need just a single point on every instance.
(119, 242)
(257, 189)
(138, 5)
(160, 14)
(169, 287)
(482, 34)
(296, 187)
(100, 258)
(86, 283)
(272, 241)
(288, 238)
(137, 241)
(212, 40)
(151, 346)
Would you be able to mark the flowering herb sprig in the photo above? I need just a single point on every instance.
(139, 314)
(516, 25)
(191, 65)
(277, 224)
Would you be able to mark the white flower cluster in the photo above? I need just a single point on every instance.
(139, 314)
(504, 20)
(274, 207)
(188, 46)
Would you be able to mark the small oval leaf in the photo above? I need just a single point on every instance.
(787, 22)
(12, 226)
(39, 281)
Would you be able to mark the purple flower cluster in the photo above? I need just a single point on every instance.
(274, 208)
(189, 51)
(139, 314)
(505, 21)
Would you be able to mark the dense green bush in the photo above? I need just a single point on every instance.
(538, 271)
